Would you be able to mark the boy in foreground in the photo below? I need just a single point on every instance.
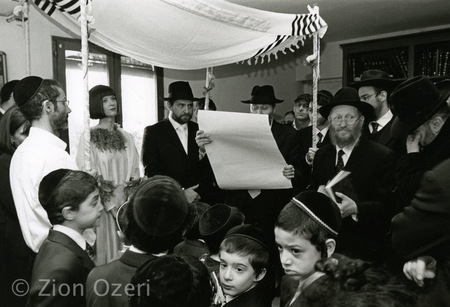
(305, 232)
(62, 264)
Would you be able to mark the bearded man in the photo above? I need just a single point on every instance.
(366, 215)
(45, 105)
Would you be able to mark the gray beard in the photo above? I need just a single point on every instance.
(343, 142)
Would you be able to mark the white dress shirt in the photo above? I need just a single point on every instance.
(41, 153)
(182, 132)
(382, 121)
(73, 234)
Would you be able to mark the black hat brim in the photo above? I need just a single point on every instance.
(403, 127)
(262, 102)
(389, 85)
(365, 108)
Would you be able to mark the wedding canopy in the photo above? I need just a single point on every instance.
(186, 34)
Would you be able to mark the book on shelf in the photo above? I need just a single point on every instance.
(341, 183)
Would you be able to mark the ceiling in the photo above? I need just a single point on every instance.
(352, 19)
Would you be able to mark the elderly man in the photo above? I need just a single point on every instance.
(45, 104)
(422, 116)
(366, 212)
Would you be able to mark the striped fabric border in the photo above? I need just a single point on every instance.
(313, 216)
(71, 7)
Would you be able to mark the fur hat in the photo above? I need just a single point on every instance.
(26, 89)
(321, 209)
(159, 206)
(377, 78)
(414, 102)
(347, 96)
(262, 95)
(180, 90)
(250, 232)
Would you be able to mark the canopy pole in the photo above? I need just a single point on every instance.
(209, 85)
(85, 86)
(315, 59)
(26, 30)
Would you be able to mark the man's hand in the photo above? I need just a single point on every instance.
(289, 172)
(419, 269)
(191, 195)
(202, 139)
(347, 205)
(412, 142)
(310, 155)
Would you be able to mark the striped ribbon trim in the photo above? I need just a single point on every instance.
(71, 7)
(313, 216)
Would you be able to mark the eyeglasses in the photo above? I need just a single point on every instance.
(348, 119)
(64, 101)
(366, 97)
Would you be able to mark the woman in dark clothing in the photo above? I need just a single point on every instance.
(16, 259)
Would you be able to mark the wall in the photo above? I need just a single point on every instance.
(13, 44)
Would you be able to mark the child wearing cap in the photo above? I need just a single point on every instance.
(244, 262)
(305, 232)
(62, 264)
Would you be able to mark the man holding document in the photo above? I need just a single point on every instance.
(362, 194)
(259, 193)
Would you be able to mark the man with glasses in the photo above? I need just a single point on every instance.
(45, 105)
(364, 193)
(374, 88)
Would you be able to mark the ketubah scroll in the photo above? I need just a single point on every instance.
(243, 154)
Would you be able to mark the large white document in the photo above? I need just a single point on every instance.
(243, 154)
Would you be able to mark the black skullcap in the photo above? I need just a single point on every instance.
(321, 209)
(26, 89)
(250, 232)
(49, 183)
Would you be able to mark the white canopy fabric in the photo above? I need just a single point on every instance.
(186, 34)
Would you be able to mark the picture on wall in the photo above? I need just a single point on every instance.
(3, 76)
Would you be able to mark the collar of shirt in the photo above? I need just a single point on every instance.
(382, 121)
(347, 152)
(175, 124)
(74, 235)
(324, 132)
(45, 137)
(2, 110)
(303, 284)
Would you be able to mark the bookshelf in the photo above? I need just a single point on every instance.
(402, 57)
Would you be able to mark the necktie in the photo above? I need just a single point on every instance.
(375, 127)
(340, 161)
(182, 134)
(90, 251)
(319, 141)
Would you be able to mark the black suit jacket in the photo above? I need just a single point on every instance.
(60, 264)
(163, 153)
(252, 298)
(372, 177)
(114, 277)
(422, 229)
(385, 137)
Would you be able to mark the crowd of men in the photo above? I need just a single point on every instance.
(393, 138)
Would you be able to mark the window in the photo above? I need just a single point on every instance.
(133, 81)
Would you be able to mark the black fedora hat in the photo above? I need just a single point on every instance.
(444, 87)
(377, 78)
(180, 90)
(347, 96)
(414, 102)
(263, 95)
